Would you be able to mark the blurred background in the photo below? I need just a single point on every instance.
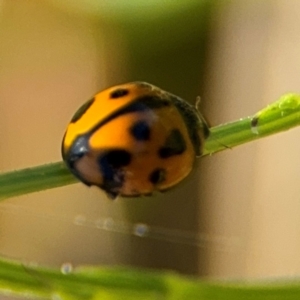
(236, 216)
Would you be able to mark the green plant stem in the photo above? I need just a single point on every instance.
(282, 115)
(34, 179)
(121, 283)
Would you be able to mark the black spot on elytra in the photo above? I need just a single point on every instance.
(115, 159)
(118, 93)
(82, 109)
(110, 165)
(157, 176)
(140, 131)
(140, 104)
(174, 145)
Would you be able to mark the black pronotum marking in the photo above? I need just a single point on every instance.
(82, 109)
(143, 84)
(140, 131)
(118, 93)
(157, 176)
(154, 102)
(110, 165)
(193, 122)
(174, 145)
(78, 149)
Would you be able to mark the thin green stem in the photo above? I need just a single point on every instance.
(34, 179)
(121, 283)
(282, 115)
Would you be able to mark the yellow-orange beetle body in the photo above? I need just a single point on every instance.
(133, 139)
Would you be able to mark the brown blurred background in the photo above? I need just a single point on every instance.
(238, 55)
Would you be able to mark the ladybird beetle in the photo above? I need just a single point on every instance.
(133, 139)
